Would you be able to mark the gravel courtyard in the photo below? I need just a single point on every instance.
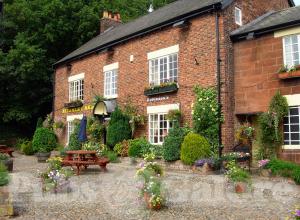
(113, 195)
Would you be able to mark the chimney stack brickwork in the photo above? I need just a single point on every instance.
(109, 20)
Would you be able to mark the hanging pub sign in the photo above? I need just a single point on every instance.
(79, 109)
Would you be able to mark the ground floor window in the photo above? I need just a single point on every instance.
(71, 122)
(292, 126)
(71, 126)
(158, 127)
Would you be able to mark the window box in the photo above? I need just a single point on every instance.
(73, 104)
(156, 90)
(288, 75)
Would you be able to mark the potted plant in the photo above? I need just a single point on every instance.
(7, 161)
(286, 73)
(239, 177)
(245, 134)
(43, 142)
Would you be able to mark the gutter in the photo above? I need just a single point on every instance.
(258, 33)
(201, 11)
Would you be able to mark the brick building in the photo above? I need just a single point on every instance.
(261, 48)
(187, 42)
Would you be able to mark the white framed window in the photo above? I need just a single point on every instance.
(291, 127)
(291, 50)
(158, 127)
(163, 69)
(76, 87)
(71, 124)
(238, 16)
(110, 84)
(111, 80)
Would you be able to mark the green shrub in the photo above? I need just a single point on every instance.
(138, 147)
(285, 169)
(172, 144)
(74, 143)
(39, 123)
(19, 142)
(194, 146)
(122, 148)
(44, 140)
(118, 128)
(4, 177)
(26, 148)
(111, 155)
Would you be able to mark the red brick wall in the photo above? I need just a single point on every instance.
(256, 80)
(196, 42)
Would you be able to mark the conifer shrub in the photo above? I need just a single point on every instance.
(194, 147)
(44, 140)
(118, 128)
(172, 144)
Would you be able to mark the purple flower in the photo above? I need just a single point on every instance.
(263, 163)
(297, 213)
(201, 162)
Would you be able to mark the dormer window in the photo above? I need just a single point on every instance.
(238, 16)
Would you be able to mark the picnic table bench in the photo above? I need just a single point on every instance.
(84, 158)
(6, 150)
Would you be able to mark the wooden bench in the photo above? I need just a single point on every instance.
(84, 159)
(6, 150)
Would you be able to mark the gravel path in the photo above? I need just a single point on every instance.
(113, 195)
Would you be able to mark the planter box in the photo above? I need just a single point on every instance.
(75, 104)
(289, 75)
(161, 90)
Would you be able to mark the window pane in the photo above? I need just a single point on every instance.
(294, 120)
(291, 127)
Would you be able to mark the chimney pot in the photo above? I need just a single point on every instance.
(109, 20)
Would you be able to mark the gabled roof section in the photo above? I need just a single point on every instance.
(165, 16)
(269, 22)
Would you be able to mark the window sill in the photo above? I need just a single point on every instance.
(161, 90)
(291, 147)
(289, 75)
(111, 97)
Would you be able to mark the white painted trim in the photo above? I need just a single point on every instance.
(73, 117)
(291, 147)
(110, 67)
(293, 100)
(286, 32)
(76, 77)
(162, 108)
(163, 52)
(110, 96)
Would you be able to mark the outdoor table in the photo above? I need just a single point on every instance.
(84, 158)
(6, 150)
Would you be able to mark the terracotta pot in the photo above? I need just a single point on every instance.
(240, 187)
(149, 205)
(42, 157)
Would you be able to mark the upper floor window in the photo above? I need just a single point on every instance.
(238, 16)
(76, 87)
(291, 48)
(110, 80)
(163, 65)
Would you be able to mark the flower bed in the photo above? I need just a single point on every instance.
(163, 88)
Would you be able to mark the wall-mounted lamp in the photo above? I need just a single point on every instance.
(131, 58)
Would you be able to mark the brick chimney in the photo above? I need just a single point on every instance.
(108, 20)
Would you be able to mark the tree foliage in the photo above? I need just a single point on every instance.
(36, 33)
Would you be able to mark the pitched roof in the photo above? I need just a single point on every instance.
(164, 16)
(269, 22)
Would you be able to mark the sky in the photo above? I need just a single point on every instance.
(297, 2)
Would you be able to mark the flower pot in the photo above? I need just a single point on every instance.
(9, 163)
(42, 157)
(240, 187)
(149, 205)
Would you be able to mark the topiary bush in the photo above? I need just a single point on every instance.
(138, 147)
(26, 148)
(44, 140)
(74, 143)
(172, 144)
(194, 146)
(118, 128)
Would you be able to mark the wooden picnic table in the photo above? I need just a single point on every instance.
(84, 158)
(4, 149)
